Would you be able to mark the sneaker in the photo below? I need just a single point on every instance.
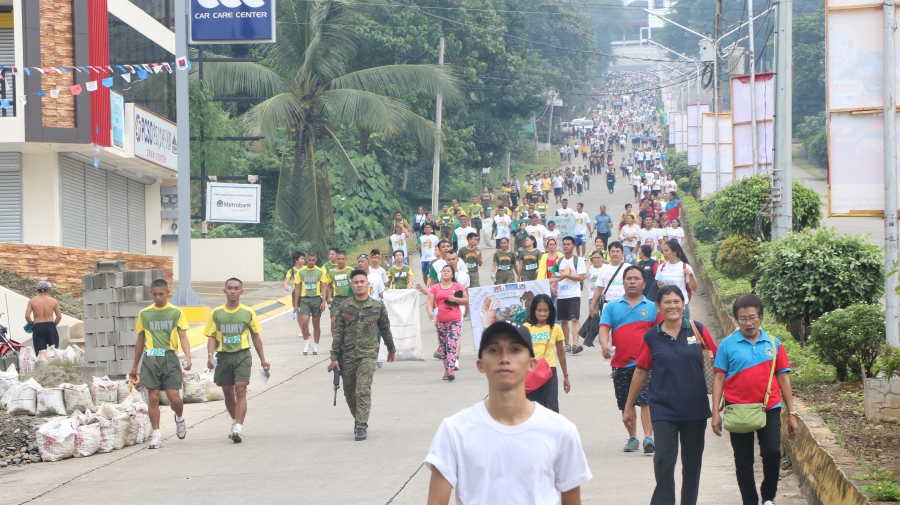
(233, 422)
(236, 437)
(567, 349)
(577, 349)
(316, 349)
(456, 365)
(359, 434)
(649, 446)
(451, 376)
(180, 428)
(378, 364)
(306, 349)
(632, 445)
(157, 442)
(768, 502)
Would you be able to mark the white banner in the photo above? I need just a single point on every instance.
(565, 225)
(155, 139)
(232, 203)
(506, 301)
(403, 311)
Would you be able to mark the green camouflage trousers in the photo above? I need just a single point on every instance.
(357, 375)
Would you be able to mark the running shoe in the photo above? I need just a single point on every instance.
(157, 442)
(180, 428)
(632, 445)
(649, 446)
(233, 422)
(769, 502)
(306, 349)
(451, 376)
(567, 349)
(315, 348)
(359, 434)
(577, 349)
(378, 364)
(236, 437)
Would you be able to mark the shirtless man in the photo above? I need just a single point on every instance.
(43, 315)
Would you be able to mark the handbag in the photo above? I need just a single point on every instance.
(707, 357)
(536, 378)
(749, 417)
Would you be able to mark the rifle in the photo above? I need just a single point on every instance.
(337, 376)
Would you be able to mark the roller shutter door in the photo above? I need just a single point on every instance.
(72, 203)
(10, 198)
(7, 48)
(137, 219)
(118, 213)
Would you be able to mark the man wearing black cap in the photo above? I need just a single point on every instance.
(531, 438)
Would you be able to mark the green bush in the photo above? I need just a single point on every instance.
(736, 256)
(817, 147)
(684, 184)
(849, 339)
(678, 166)
(810, 273)
(714, 253)
(705, 231)
(356, 219)
(734, 208)
(695, 181)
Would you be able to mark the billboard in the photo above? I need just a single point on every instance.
(232, 203)
(117, 120)
(232, 21)
(708, 182)
(692, 118)
(155, 139)
(742, 129)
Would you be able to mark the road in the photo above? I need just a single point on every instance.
(299, 448)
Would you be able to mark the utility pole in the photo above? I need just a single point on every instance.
(185, 295)
(436, 173)
(717, 35)
(552, 97)
(754, 149)
(507, 164)
(782, 199)
(891, 251)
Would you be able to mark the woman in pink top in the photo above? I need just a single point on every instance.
(448, 321)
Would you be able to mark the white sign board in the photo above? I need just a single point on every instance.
(232, 203)
(565, 225)
(117, 120)
(155, 139)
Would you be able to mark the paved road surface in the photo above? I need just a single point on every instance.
(298, 448)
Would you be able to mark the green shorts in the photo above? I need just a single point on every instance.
(310, 306)
(161, 372)
(336, 303)
(232, 367)
(474, 282)
(477, 224)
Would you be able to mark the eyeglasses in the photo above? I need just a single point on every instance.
(748, 320)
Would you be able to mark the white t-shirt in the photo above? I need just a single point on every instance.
(593, 274)
(671, 186)
(490, 463)
(398, 243)
(554, 234)
(676, 234)
(654, 233)
(539, 232)
(502, 223)
(558, 181)
(581, 221)
(565, 212)
(617, 288)
(429, 244)
(376, 285)
(568, 288)
(675, 274)
(380, 271)
(461, 234)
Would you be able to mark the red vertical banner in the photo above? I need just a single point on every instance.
(98, 46)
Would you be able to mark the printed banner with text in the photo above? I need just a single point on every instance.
(506, 301)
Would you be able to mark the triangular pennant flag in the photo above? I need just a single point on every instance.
(75, 89)
(111, 70)
(27, 71)
(91, 86)
(41, 94)
(182, 63)
(157, 69)
(23, 99)
(107, 82)
(146, 66)
(130, 68)
(57, 70)
(142, 74)
(39, 69)
(66, 70)
(167, 66)
(54, 93)
(127, 77)
(81, 69)
(47, 69)
(15, 71)
(4, 103)
(120, 67)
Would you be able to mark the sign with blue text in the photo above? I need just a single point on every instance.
(232, 21)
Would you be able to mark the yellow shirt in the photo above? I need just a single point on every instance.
(545, 184)
(544, 341)
(311, 280)
(232, 328)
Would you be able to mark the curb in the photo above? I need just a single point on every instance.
(729, 325)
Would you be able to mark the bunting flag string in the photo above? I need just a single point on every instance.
(140, 71)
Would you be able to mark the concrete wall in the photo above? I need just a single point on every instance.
(216, 259)
(152, 207)
(41, 196)
(64, 266)
(882, 399)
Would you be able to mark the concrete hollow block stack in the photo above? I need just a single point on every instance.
(113, 298)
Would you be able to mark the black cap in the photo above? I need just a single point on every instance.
(505, 326)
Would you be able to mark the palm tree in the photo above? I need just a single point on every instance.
(310, 94)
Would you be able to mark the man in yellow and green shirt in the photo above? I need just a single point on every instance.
(340, 286)
(230, 328)
(476, 211)
(160, 328)
(311, 289)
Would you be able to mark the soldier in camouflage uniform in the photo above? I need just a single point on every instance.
(356, 340)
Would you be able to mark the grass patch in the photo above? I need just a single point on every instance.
(27, 286)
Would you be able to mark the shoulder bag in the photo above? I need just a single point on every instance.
(536, 378)
(708, 357)
(589, 338)
(749, 417)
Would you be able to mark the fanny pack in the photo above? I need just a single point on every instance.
(749, 417)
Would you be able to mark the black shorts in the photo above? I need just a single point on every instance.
(622, 384)
(568, 308)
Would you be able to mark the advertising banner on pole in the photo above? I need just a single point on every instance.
(692, 118)
(565, 225)
(232, 21)
(708, 153)
(155, 139)
(856, 155)
(742, 128)
(506, 301)
(232, 203)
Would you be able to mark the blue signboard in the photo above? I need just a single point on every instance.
(232, 21)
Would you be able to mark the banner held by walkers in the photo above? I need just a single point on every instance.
(565, 225)
(505, 301)
(403, 311)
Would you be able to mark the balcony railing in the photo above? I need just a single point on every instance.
(8, 92)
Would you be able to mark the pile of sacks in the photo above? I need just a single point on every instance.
(28, 361)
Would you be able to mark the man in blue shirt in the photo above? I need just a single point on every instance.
(603, 224)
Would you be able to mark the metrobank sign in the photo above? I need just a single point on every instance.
(232, 21)
(155, 139)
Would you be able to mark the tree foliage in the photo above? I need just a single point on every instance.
(810, 273)
(849, 339)
(809, 68)
(734, 208)
(736, 256)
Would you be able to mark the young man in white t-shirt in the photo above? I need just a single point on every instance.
(501, 226)
(565, 211)
(398, 241)
(648, 231)
(427, 244)
(506, 449)
(462, 233)
(582, 230)
(558, 186)
(571, 272)
(538, 231)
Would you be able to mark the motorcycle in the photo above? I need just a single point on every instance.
(8, 345)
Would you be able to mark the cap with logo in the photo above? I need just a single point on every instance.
(509, 327)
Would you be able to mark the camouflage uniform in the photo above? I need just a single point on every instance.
(356, 335)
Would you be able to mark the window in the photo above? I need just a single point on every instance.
(10, 198)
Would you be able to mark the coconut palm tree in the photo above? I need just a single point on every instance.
(311, 94)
